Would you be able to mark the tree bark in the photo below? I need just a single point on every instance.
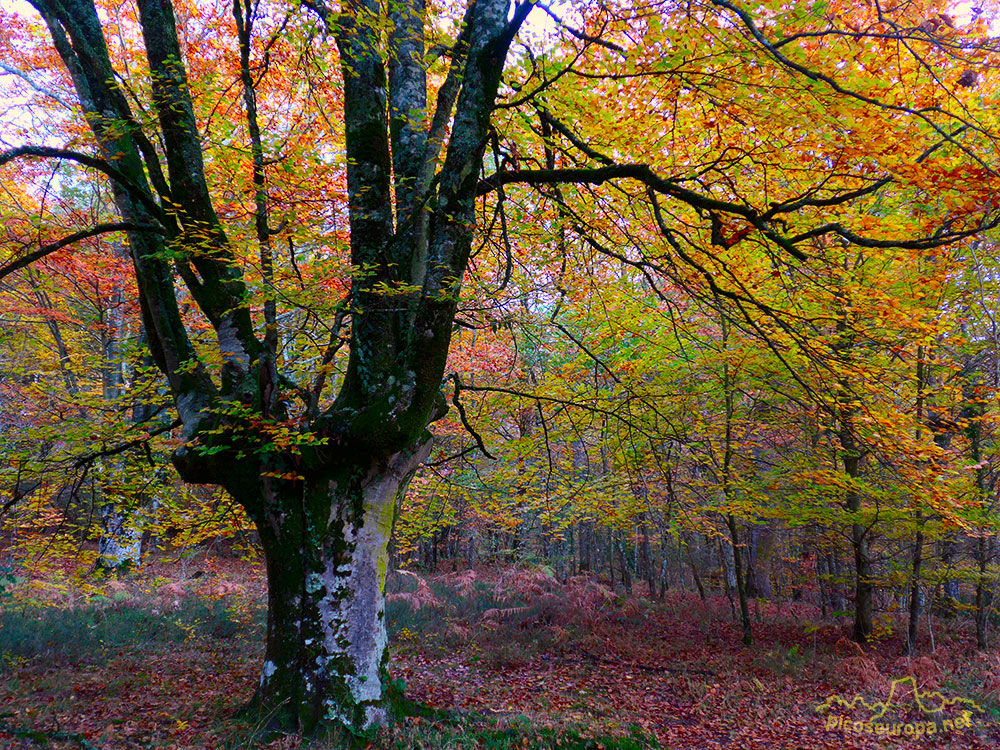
(623, 561)
(120, 545)
(916, 596)
(947, 605)
(741, 579)
(694, 572)
(983, 598)
(325, 657)
(864, 587)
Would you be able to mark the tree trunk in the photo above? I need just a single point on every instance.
(983, 600)
(741, 580)
(623, 561)
(325, 658)
(411, 204)
(120, 545)
(837, 599)
(821, 574)
(586, 546)
(983, 552)
(664, 571)
(864, 587)
(645, 567)
(947, 606)
(760, 547)
(694, 572)
(611, 558)
(916, 596)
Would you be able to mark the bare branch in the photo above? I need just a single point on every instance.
(99, 229)
(36, 86)
(47, 152)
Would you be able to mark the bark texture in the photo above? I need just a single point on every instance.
(326, 654)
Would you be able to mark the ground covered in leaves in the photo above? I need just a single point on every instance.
(501, 658)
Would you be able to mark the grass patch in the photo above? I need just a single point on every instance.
(88, 634)
(509, 733)
(443, 731)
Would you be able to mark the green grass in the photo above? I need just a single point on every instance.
(440, 730)
(514, 733)
(89, 633)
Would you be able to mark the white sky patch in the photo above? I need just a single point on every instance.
(968, 11)
(540, 29)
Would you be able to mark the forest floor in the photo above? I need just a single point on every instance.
(515, 659)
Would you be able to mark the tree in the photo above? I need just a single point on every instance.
(322, 498)
(320, 477)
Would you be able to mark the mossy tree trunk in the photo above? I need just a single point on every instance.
(325, 657)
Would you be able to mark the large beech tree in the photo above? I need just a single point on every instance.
(324, 508)
(321, 481)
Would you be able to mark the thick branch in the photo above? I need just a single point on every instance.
(222, 293)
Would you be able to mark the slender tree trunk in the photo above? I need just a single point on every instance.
(947, 605)
(837, 599)
(645, 567)
(728, 575)
(915, 593)
(918, 537)
(864, 587)
(120, 544)
(983, 544)
(821, 584)
(664, 571)
(586, 546)
(974, 431)
(983, 604)
(694, 572)
(623, 561)
(611, 557)
(741, 580)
